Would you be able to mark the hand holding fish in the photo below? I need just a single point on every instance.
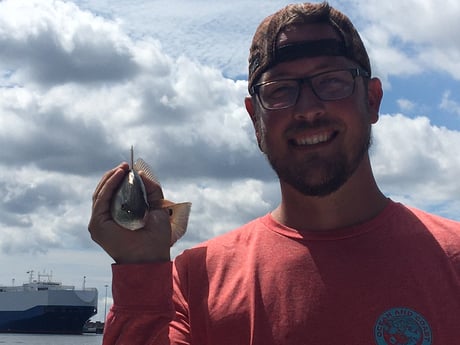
(149, 244)
(130, 198)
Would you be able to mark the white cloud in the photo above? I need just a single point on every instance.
(405, 104)
(407, 37)
(184, 118)
(386, 57)
(53, 42)
(218, 207)
(415, 160)
(449, 105)
(403, 37)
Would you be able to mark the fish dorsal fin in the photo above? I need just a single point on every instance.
(179, 219)
(131, 166)
(141, 165)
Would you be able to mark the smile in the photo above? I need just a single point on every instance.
(313, 139)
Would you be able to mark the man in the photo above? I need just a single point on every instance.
(336, 263)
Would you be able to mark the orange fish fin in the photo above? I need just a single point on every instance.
(141, 165)
(179, 214)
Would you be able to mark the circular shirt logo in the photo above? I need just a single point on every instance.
(402, 326)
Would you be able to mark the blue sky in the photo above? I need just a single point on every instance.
(81, 81)
(425, 93)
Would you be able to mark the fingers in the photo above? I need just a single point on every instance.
(100, 215)
(161, 236)
(148, 244)
(153, 189)
(107, 176)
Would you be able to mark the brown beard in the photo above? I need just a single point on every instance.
(335, 172)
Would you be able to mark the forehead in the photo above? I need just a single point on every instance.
(306, 32)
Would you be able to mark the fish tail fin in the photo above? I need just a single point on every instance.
(179, 214)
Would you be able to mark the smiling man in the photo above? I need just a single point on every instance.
(337, 262)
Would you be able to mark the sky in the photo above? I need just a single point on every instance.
(81, 81)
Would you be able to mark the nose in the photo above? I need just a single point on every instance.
(308, 107)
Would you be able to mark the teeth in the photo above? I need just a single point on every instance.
(316, 139)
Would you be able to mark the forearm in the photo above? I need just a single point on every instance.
(143, 306)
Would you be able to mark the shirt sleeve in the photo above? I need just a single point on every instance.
(143, 305)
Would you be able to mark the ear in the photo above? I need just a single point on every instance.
(251, 109)
(375, 94)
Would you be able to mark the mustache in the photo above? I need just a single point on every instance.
(301, 126)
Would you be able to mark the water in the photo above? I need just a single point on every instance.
(38, 339)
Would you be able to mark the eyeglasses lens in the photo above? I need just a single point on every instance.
(328, 86)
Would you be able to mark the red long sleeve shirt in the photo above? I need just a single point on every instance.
(392, 280)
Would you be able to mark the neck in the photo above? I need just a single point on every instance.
(357, 201)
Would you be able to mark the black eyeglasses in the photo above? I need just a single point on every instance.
(327, 86)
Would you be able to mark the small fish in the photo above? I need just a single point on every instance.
(129, 205)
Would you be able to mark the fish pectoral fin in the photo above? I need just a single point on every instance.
(179, 214)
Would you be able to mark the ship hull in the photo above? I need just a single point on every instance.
(46, 307)
(48, 319)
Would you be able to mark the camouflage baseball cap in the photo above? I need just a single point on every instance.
(265, 53)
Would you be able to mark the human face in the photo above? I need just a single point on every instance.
(315, 146)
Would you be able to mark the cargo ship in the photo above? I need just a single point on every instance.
(45, 306)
